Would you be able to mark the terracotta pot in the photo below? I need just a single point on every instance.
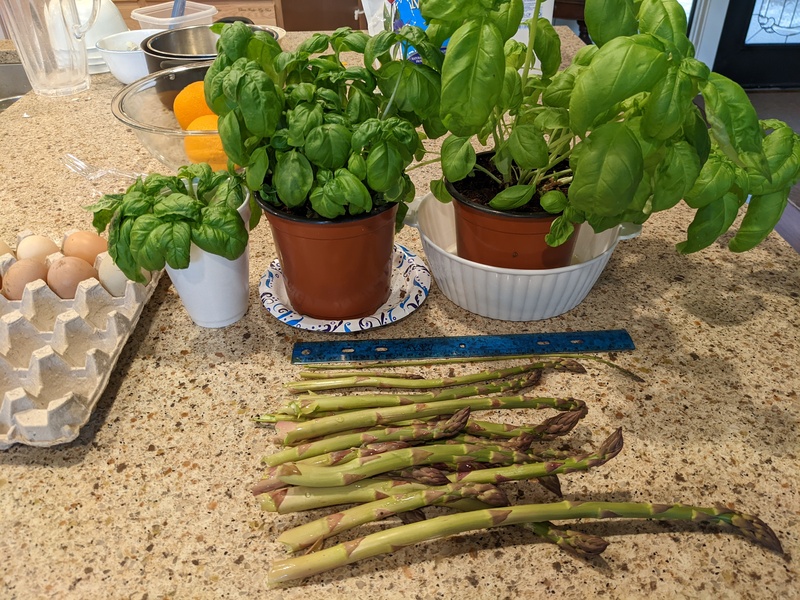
(335, 269)
(510, 240)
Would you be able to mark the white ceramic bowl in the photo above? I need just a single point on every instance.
(123, 54)
(509, 294)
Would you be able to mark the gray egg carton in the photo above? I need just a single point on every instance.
(56, 356)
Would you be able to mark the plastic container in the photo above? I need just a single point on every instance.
(158, 16)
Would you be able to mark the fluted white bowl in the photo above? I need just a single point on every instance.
(509, 294)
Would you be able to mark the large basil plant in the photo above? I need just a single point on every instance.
(317, 136)
(619, 127)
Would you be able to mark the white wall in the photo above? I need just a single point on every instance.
(709, 17)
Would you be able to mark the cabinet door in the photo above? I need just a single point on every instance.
(312, 15)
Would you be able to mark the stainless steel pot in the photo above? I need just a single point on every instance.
(175, 47)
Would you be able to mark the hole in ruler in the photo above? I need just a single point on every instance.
(381, 349)
(306, 352)
(462, 345)
(348, 350)
(543, 343)
(576, 341)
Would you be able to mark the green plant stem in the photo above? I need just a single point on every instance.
(488, 173)
(304, 430)
(355, 470)
(472, 359)
(312, 404)
(334, 383)
(529, 58)
(419, 432)
(313, 532)
(387, 541)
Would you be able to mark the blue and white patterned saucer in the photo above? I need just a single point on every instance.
(411, 282)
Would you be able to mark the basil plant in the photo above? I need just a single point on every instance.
(615, 136)
(318, 137)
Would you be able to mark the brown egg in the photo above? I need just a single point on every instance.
(20, 274)
(84, 244)
(37, 247)
(66, 273)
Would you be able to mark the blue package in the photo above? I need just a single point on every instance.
(406, 12)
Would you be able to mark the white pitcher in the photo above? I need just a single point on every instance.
(48, 36)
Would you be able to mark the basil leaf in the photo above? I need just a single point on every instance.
(710, 222)
(293, 178)
(734, 123)
(328, 146)
(221, 231)
(668, 105)
(714, 181)
(458, 157)
(357, 195)
(663, 18)
(177, 206)
(560, 231)
(547, 47)
(384, 166)
(528, 147)
(763, 214)
(554, 201)
(622, 68)
(512, 197)
(608, 19)
(472, 73)
(607, 168)
(119, 248)
(675, 176)
(257, 168)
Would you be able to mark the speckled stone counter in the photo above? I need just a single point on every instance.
(153, 499)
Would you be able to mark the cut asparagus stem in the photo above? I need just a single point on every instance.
(312, 405)
(463, 360)
(298, 387)
(555, 426)
(308, 534)
(389, 540)
(420, 432)
(301, 498)
(355, 470)
(303, 430)
(318, 374)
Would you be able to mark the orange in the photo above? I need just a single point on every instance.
(205, 148)
(190, 103)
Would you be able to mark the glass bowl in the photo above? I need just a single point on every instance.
(146, 107)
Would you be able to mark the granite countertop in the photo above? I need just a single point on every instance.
(153, 499)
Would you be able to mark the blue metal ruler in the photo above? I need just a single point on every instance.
(470, 346)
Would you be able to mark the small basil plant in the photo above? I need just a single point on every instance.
(615, 136)
(318, 136)
(156, 220)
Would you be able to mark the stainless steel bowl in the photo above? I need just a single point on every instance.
(175, 47)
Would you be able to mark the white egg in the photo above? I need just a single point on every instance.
(111, 276)
(5, 249)
(36, 247)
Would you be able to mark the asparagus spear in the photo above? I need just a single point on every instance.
(419, 432)
(298, 431)
(311, 405)
(297, 387)
(355, 470)
(555, 426)
(389, 540)
(299, 498)
(308, 534)
(462, 360)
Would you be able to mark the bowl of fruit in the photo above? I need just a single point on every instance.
(168, 113)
